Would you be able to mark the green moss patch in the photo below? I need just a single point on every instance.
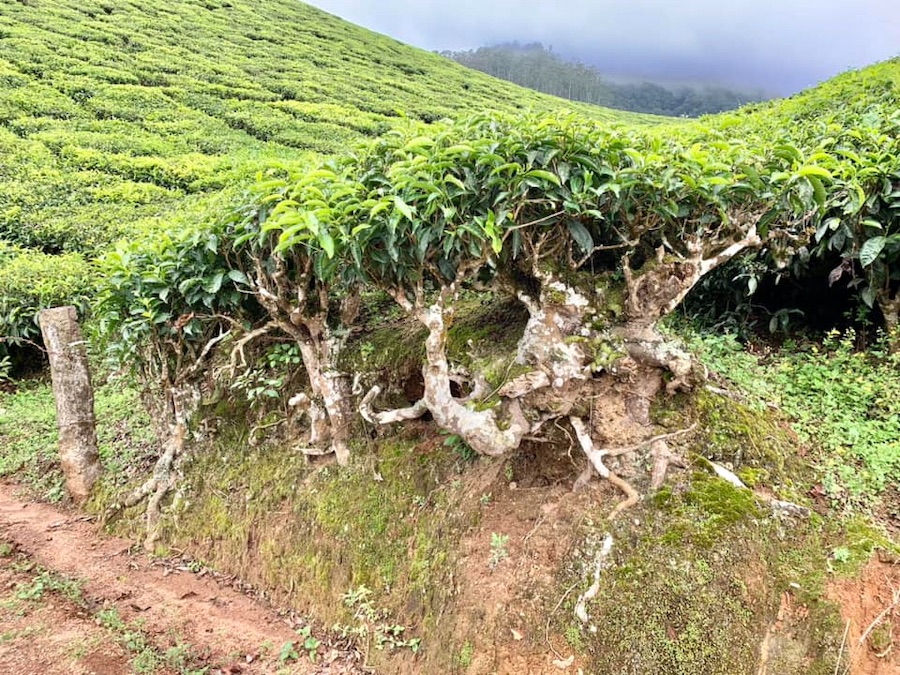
(742, 436)
(698, 579)
(311, 532)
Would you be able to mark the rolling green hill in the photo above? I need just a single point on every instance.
(122, 109)
(118, 116)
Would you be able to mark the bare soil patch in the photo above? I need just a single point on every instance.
(870, 606)
(504, 604)
(50, 635)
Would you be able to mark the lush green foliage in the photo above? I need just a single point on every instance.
(842, 138)
(30, 280)
(495, 196)
(115, 117)
(537, 67)
(483, 191)
(490, 188)
(163, 300)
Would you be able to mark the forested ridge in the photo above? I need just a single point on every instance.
(540, 68)
(441, 361)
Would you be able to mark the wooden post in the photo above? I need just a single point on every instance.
(74, 400)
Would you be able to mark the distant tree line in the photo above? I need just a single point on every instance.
(537, 67)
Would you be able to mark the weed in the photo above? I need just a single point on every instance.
(195, 566)
(845, 402)
(310, 645)
(498, 549)
(573, 637)
(48, 582)
(366, 350)
(373, 623)
(841, 554)
(464, 658)
(466, 454)
(288, 653)
(146, 659)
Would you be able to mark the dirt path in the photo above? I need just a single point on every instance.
(234, 633)
(42, 632)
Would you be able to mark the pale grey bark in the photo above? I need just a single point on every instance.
(480, 429)
(288, 304)
(180, 406)
(74, 397)
(559, 313)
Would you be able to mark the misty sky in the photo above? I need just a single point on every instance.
(780, 46)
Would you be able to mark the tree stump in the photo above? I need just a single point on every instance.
(74, 400)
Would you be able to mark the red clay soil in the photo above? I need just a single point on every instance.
(51, 636)
(870, 606)
(234, 633)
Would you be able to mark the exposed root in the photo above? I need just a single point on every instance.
(253, 438)
(595, 457)
(663, 457)
(414, 411)
(480, 429)
(590, 593)
(182, 402)
(876, 622)
(155, 488)
(550, 614)
(647, 347)
(313, 451)
(789, 509)
(584, 478)
(624, 449)
(525, 384)
(778, 506)
(727, 475)
(479, 385)
(319, 427)
(632, 495)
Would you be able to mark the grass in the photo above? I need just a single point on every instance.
(29, 439)
(146, 658)
(28, 436)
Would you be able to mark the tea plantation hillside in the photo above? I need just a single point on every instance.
(434, 390)
(117, 116)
